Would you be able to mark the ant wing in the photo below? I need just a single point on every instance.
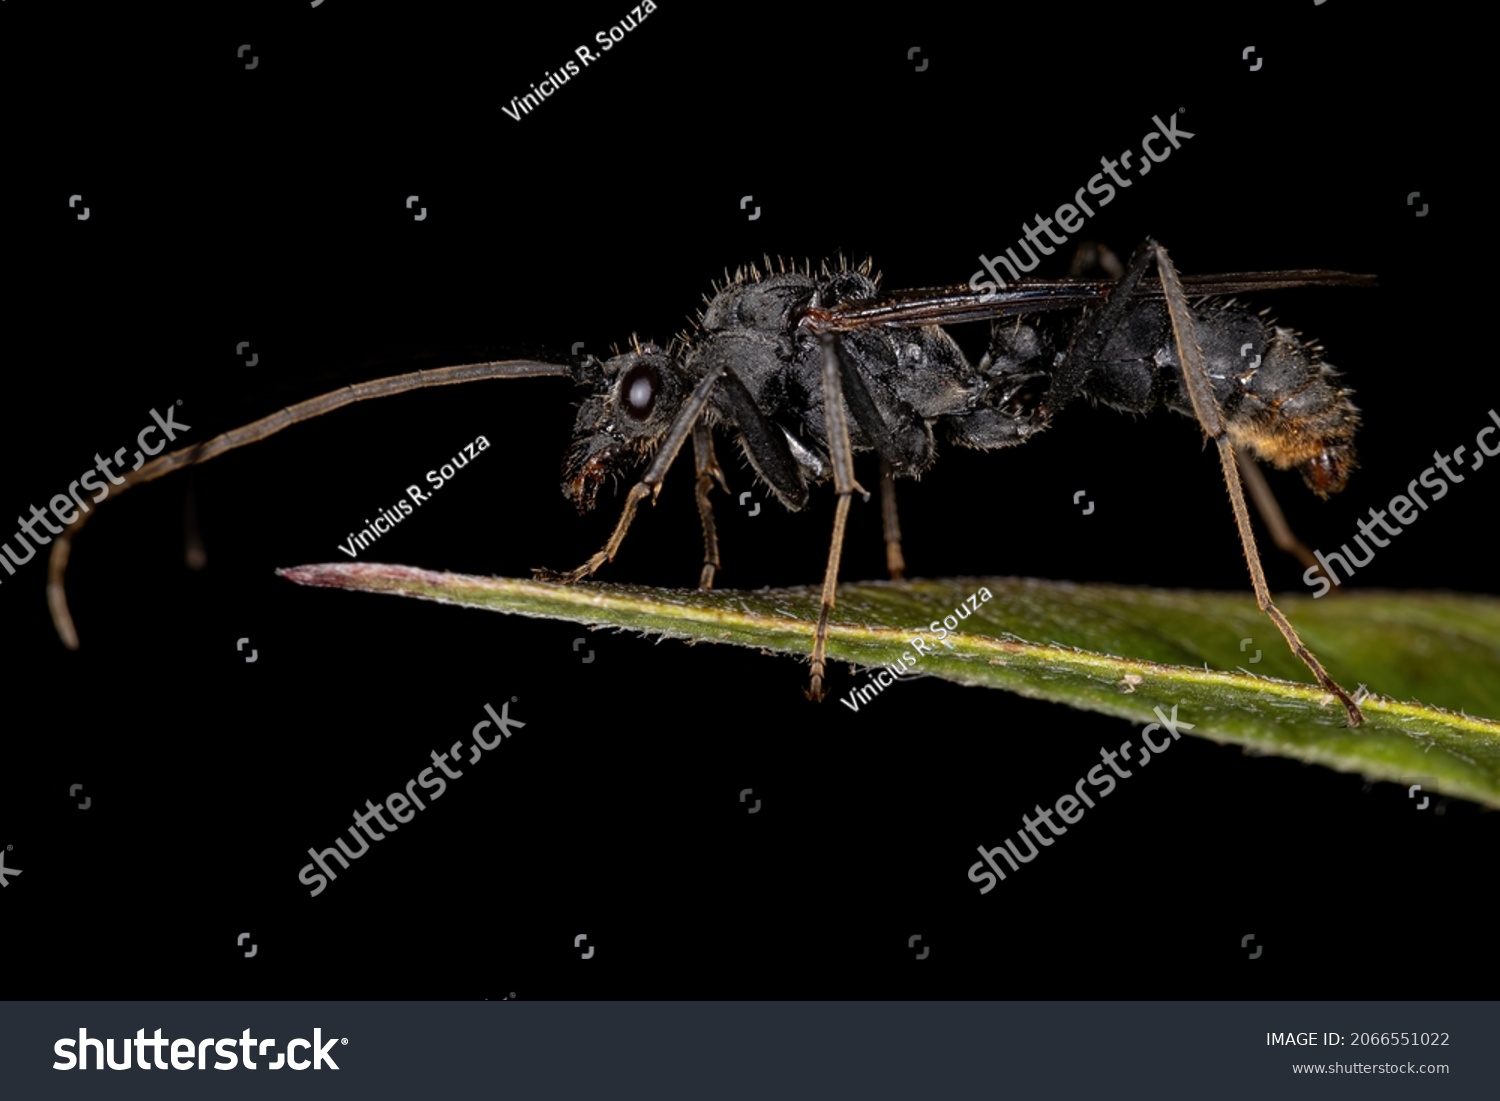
(955, 305)
(268, 426)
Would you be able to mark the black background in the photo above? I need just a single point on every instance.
(268, 206)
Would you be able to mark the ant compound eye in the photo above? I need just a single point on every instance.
(639, 390)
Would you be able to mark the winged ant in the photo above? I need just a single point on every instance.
(807, 369)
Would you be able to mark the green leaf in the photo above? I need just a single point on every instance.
(1432, 659)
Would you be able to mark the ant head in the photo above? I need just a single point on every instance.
(634, 399)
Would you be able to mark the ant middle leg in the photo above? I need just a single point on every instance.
(841, 456)
(707, 467)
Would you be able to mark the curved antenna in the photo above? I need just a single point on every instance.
(57, 564)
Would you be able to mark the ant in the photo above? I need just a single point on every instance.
(806, 370)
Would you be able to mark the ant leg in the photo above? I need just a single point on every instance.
(1270, 512)
(758, 434)
(1211, 419)
(841, 456)
(895, 454)
(708, 473)
(895, 564)
(650, 483)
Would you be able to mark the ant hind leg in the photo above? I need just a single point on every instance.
(1211, 419)
(895, 562)
(1275, 520)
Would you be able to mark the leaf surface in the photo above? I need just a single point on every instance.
(1430, 660)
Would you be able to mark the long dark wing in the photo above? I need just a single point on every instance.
(954, 305)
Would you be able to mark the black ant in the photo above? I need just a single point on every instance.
(806, 370)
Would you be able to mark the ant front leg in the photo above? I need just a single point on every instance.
(758, 435)
(650, 484)
(1211, 419)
